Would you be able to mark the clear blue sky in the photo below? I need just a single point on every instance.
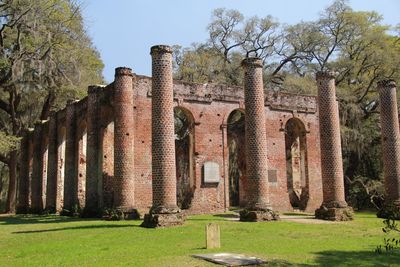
(124, 30)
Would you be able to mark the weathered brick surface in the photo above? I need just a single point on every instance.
(81, 157)
(331, 151)
(390, 140)
(210, 105)
(106, 190)
(93, 157)
(256, 143)
(61, 142)
(334, 206)
(71, 151)
(124, 172)
(39, 170)
(52, 166)
(24, 173)
(163, 141)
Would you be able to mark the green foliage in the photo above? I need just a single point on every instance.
(391, 226)
(8, 143)
(112, 214)
(75, 211)
(46, 57)
(355, 44)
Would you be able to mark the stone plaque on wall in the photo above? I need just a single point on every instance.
(272, 176)
(211, 172)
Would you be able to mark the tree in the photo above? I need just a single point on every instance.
(355, 44)
(46, 57)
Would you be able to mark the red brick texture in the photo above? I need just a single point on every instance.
(71, 151)
(93, 153)
(124, 172)
(163, 141)
(24, 173)
(390, 140)
(39, 167)
(130, 162)
(52, 167)
(255, 135)
(331, 150)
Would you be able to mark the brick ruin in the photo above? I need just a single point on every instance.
(213, 147)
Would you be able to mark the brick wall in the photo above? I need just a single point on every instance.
(210, 105)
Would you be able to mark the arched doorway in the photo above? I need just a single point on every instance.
(82, 146)
(61, 168)
(296, 163)
(237, 156)
(184, 156)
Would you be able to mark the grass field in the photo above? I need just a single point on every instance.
(62, 241)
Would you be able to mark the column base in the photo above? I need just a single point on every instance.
(335, 211)
(390, 211)
(163, 217)
(22, 210)
(258, 215)
(118, 214)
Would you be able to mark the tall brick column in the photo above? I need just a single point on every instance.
(390, 145)
(37, 204)
(124, 171)
(71, 161)
(258, 206)
(24, 173)
(93, 168)
(334, 206)
(165, 211)
(52, 166)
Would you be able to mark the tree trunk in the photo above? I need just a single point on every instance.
(12, 185)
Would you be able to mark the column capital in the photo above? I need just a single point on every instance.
(160, 49)
(326, 74)
(387, 83)
(121, 71)
(252, 61)
(93, 89)
(72, 101)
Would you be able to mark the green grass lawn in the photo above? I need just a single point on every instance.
(62, 241)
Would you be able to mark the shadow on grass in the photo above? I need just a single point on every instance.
(227, 215)
(39, 219)
(357, 258)
(74, 228)
(283, 263)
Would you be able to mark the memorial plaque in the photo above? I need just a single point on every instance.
(212, 236)
(211, 172)
(272, 176)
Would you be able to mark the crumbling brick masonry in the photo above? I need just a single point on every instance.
(97, 152)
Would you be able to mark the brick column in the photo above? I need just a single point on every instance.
(52, 166)
(124, 171)
(71, 161)
(24, 173)
(37, 169)
(258, 206)
(61, 140)
(93, 168)
(334, 206)
(390, 145)
(165, 211)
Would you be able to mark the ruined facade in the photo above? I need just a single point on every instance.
(390, 147)
(74, 159)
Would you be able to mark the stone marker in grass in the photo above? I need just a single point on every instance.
(212, 236)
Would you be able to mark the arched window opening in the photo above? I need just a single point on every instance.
(184, 156)
(237, 157)
(82, 163)
(296, 163)
(61, 167)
